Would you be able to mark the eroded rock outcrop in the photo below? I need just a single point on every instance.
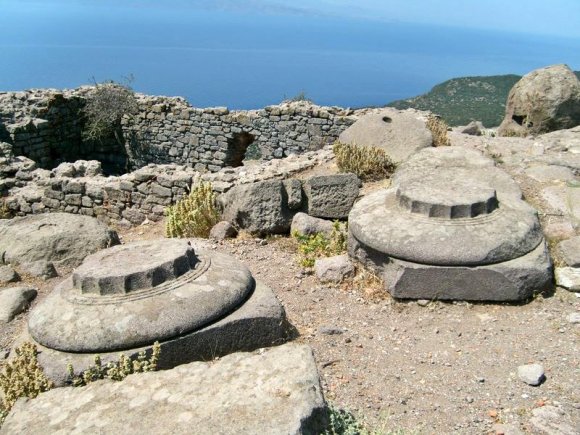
(544, 100)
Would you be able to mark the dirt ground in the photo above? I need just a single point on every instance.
(419, 367)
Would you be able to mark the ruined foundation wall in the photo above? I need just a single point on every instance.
(46, 126)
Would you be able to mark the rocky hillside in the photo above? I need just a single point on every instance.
(464, 99)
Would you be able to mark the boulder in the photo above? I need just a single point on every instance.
(275, 391)
(543, 100)
(260, 208)
(309, 225)
(569, 250)
(7, 274)
(223, 230)
(474, 128)
(13, 301)
(331, 196)
(399, 133)
(334, 269)
(61, 238)
(40, 269)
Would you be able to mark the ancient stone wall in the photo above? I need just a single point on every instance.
(79, 188)
(46, 126)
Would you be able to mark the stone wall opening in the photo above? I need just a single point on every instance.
(237, 147)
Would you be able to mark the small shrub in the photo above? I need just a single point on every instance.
(311, 247)
(22, 377)
(116, 371)
(194, 215)
(5, 212)
(438, 129)
(368, 163)
(300, 96)
(105, 107)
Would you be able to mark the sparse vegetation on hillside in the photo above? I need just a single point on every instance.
(368, 163)
(194, 215)
(462, 100)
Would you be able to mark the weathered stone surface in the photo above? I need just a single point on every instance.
(60, 238)
(543, 100)
(130, 296)
(13, 301)
(474, 128)
(506, 429)
(400, 134)
(7, 274)
(549, 173)
(260, 208)
(570, 251)
(552, 420)
(568, 278)
(334, 269)
(451, 226)
(309, 225)
(531, 374)
(378, 221)
(40, 269)
(331, 196)
(223, 230)
(511, 280)
(276, 391)
(294, 193)
(259, 322)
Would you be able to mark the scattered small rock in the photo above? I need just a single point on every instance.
(13, 301)
(223, 230)
(570, 251)
(334, 269)
(531, 374)
(568, 278)
(423, 302)
(40, 269)
(7, 274)
(330, 330)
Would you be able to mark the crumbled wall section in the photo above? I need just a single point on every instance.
(45, 125)
(169, 130)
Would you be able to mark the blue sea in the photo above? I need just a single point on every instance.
(249, 59)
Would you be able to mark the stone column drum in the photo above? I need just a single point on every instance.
(451, 226)
(123, 299)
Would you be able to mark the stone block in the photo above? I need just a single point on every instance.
(294, 193)
(512, 280)
(276, 391)
(570, 251)
(331, 196)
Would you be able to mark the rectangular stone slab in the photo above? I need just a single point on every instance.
(276, 391)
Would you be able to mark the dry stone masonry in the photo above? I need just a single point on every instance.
(451, 226)
(46, 126)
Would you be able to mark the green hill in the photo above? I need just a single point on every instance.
(461, 100)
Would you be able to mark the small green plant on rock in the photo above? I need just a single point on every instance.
(194, 215)
(22, 377)
(116, 371)
(368, 163)
(311, 247)
(438, 129)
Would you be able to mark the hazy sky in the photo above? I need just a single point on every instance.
(543, 17)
